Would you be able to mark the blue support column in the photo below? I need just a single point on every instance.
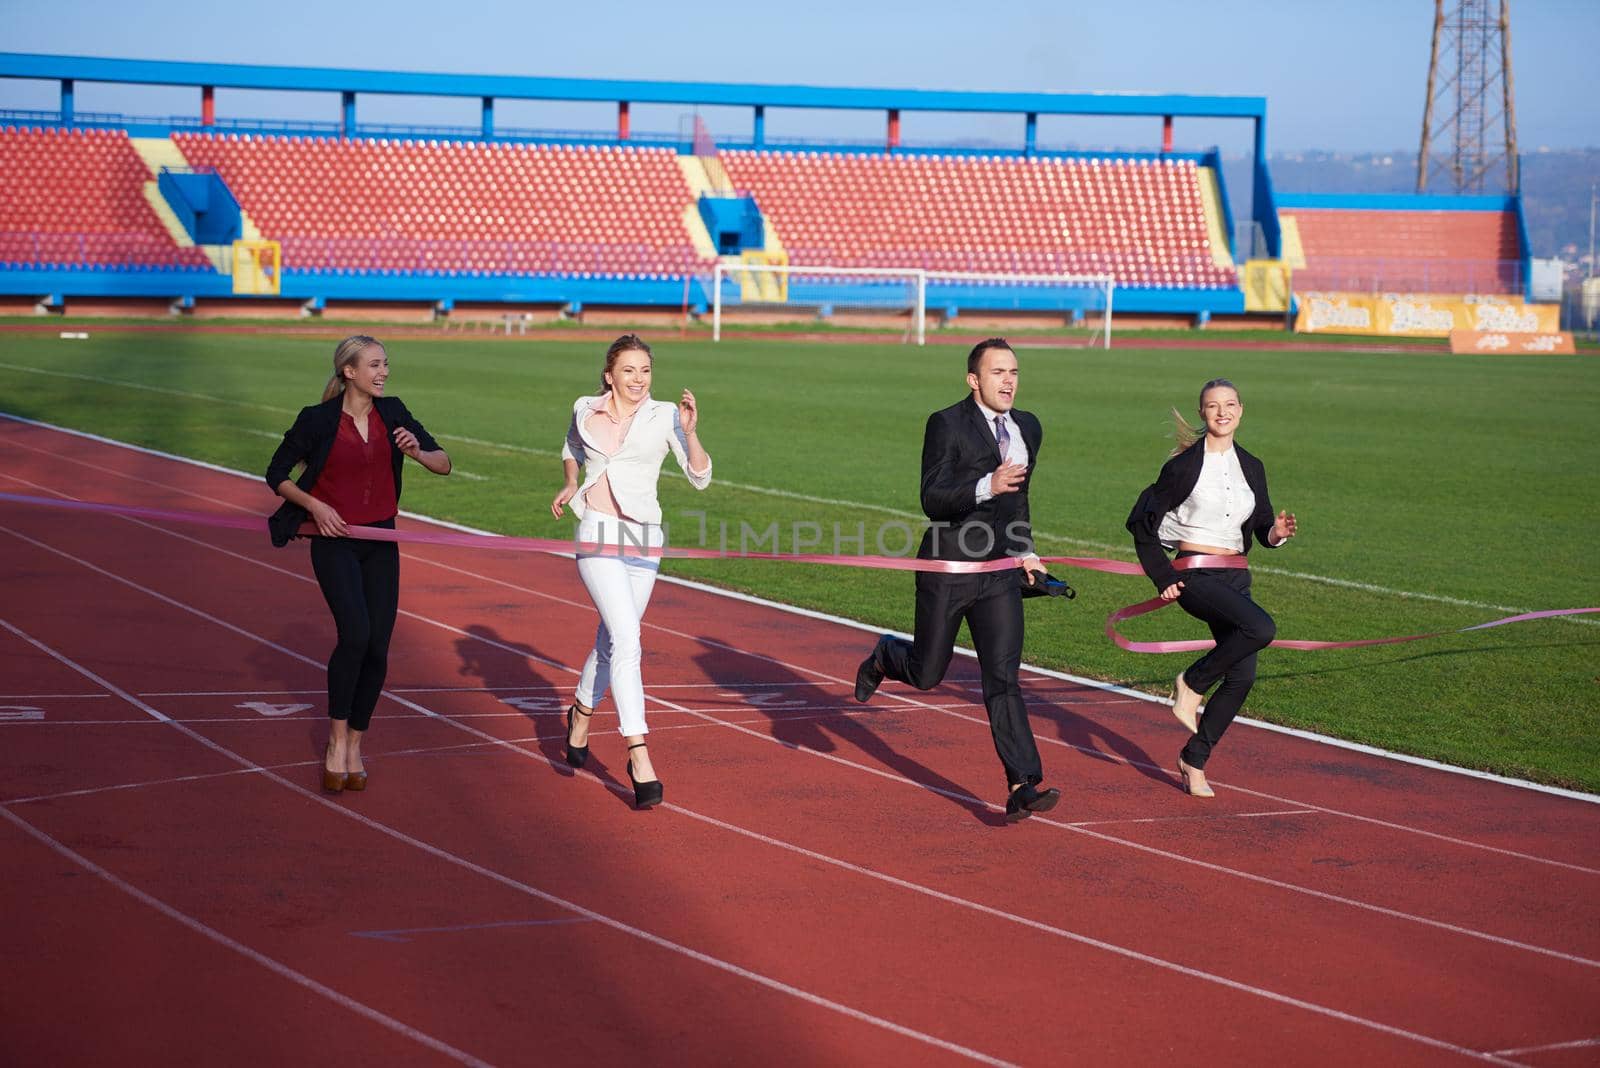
(758, 138)
(66, 100)
(488, 118)
(1263, 204)
(348, 119)
(1030, 140)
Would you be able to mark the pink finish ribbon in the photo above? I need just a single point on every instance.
(1187, 563)
(890, 563)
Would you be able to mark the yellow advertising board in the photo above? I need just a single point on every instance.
(1492, 341)
(1413, 315)
(257, 267)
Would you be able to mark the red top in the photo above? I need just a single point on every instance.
(358, 479)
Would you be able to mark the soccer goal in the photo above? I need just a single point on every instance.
(909, 295)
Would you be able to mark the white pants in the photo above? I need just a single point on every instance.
(620, 587)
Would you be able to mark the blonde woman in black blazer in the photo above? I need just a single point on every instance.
(353, 446)
(1198, 506)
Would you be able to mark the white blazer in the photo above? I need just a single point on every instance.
(635, 466)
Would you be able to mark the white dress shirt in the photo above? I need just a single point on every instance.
(634, 466)
(1216, 509)
(1016, 452)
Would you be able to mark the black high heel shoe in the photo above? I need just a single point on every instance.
(577, 755)
(645, 794)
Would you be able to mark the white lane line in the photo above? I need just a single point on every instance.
(1137, 695)
(946, 710)
(1221, 869)
(463, 749)
(763, 736)
(1199, 819)
(896, 695)
(1082, 939)
(276, 967)
(399, 934)
(52, 696)
(1582, 1043)
(493, 690)
(478, 869)
(1122, 551)
(1337, 743)
(1089, 940)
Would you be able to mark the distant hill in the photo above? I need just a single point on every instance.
(1555, 186)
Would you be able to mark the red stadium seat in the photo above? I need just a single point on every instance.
(391, 200)
(983, 212)
(1416, 251)
(80, 193)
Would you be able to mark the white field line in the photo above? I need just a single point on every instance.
(765, 737)
(808, 613)
(478, 869)
(1121, 550)
(917, 888)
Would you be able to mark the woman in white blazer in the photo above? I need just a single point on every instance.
(619, 438)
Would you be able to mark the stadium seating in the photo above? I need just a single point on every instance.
(464, 207)
(458, 207)
(1143, 222)
(1408, 251)
(75, 198)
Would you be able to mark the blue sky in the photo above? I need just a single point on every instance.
(1345, 76)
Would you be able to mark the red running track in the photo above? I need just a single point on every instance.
(824, 886)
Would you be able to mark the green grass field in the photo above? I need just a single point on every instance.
(1420, 481)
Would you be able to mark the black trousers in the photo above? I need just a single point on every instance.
(991, 604)
(1220, 597)
(361, 582)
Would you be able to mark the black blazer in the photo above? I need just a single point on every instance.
(310, 441)
(958, 449)
(1171, 488)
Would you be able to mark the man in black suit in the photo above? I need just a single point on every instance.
(977, 459)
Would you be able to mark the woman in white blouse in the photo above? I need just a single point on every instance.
(1210, 500)
(619, 439)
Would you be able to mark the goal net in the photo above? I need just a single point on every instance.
(914, 299)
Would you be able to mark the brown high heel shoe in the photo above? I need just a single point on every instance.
(355, 781)
(332, 781)
(1193, 789)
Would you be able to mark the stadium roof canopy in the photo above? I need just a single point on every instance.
(512, 87)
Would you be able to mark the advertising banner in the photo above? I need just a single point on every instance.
(1412, 315)
(1490, 341)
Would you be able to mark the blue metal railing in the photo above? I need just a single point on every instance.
(645, 138)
